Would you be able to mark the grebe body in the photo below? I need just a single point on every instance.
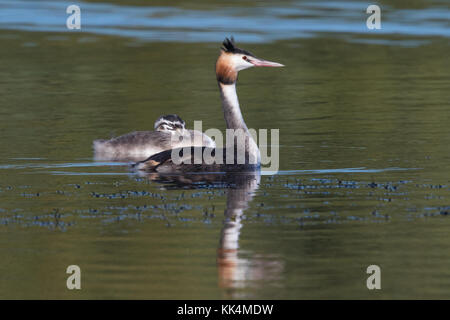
(170, 133)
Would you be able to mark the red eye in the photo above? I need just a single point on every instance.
(244, 57)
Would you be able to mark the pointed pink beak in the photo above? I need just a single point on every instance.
(264, 63)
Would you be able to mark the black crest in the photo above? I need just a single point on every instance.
(228, 46)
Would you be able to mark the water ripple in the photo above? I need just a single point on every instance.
(256, 24)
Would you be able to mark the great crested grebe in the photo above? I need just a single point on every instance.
(231, 60)
(170, 133)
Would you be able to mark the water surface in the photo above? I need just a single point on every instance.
(364, 152)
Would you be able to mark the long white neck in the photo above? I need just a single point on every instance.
(230, 104)
(233, 117)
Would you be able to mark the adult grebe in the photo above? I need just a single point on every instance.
(170, 133)
(244, 152)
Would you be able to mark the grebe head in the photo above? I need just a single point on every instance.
(233, 59)
(170, 123)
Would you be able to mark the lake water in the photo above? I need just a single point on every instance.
(364, 151)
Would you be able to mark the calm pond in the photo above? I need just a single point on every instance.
(364, 175)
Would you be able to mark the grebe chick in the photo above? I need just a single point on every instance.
(170, 133)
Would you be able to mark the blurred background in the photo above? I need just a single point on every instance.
(364, 150)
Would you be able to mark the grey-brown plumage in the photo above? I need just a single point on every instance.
(135, 146)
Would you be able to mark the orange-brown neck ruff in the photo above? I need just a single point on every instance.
(225, 72)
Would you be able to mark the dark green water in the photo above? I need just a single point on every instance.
(364, 170)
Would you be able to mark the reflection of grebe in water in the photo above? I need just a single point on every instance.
(234, 270)
(170, 133)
